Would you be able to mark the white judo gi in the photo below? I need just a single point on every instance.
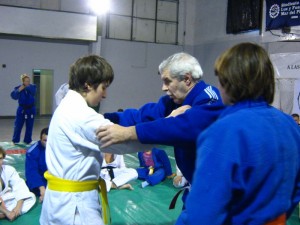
(15, 189)
(72, 153)
(122, 174)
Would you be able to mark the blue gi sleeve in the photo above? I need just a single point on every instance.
(15, 94)
(31, 89)
(182, 129)
(146, 113)
(33, 178)
(162, 156)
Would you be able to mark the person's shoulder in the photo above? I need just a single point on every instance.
(205, 94)
(17, 87)
(8, 168)
(33, 148)
(156, 150)
(32, 85)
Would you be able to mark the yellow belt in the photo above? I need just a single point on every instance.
(59, 184)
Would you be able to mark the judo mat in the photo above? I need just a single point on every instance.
(141, 206)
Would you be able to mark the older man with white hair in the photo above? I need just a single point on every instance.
(189, 107)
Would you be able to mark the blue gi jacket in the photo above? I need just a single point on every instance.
(182, 131)
(160, 159)
(26, 96)
(35, 166)
(247, 168)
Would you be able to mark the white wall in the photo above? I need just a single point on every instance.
(135, 63)
(135, 66)
(211, 39)
(23, 55)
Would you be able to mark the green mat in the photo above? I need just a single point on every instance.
(148, 206)
(141, 206)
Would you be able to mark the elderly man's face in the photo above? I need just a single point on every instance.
(176, 89)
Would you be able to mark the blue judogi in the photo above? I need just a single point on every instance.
(247, 168)
(180, 131)
(162, 167)
(25, 112)
(35, 167)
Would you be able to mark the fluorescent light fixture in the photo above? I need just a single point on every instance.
(99, 7)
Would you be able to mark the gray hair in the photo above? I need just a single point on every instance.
(180, 64)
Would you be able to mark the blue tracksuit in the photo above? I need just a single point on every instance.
(181, 131)
(162, 167)
(247, 168)
(25, 112)
(35, 167)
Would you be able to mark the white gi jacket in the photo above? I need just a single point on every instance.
(15, 190)
(73, 153)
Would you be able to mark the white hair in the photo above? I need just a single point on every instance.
(180, 64)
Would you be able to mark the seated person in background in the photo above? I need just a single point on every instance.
(35, 166)
(15, 198)
(154, 167)
(179, 180)
(115, 173)
(296, 118)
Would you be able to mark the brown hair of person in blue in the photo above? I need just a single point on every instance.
(248, 161)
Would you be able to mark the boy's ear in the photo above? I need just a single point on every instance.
(87, 87)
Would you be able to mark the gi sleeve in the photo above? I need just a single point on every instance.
(15, 94)
(33, 177)
(148, 112)
(19, 188)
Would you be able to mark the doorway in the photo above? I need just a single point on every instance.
(43, 79)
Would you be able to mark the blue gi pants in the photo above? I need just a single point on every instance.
(22, 116)
(158, 175)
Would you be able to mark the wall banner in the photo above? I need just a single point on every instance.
(282, 13)
(286, 65)
(287, 74)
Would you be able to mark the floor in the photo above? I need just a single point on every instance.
(146, 206)
(7, 128)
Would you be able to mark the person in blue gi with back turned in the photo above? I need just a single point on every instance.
(246, 173)
(159, 123)
(35, 166)
(154, 167)
(25, 94)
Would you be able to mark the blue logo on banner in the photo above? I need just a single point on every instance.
(281, 14)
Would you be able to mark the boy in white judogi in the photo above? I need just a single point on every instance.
(15, 197)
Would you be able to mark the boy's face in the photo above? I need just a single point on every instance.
(95, 96)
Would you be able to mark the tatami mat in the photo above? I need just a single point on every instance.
(140, 206)
(148, 206)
